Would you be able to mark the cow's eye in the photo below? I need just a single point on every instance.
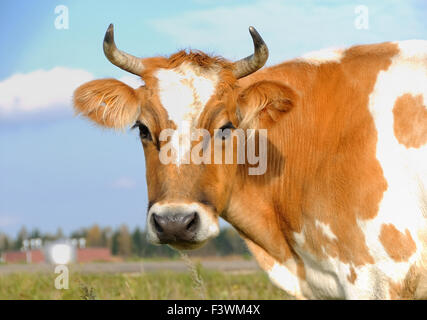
(144, 132)
(225, 130)
(228, 125)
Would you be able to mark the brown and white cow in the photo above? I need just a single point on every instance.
(341, 211)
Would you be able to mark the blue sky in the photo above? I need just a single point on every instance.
(57, 170)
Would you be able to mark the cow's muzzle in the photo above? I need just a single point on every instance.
(184, 226)
(176, 227)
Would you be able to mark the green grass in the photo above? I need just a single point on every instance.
(159, 285)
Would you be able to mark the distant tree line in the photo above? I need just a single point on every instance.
(125, 243)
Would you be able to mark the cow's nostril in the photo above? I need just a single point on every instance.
(192, 221)
(156, 222)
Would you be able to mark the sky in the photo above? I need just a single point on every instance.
(59, 170)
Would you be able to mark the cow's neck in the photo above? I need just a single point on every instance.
(257, 209)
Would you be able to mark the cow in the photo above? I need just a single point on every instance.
(341, 209)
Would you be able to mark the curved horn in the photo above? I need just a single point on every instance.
(119, 58)
(252, 63)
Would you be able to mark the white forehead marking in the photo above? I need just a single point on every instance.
(184, 92)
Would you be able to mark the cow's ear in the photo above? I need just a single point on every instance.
(107, 102)
(263, 103)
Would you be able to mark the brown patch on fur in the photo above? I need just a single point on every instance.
(197, 58)
(399, 246)
(407, 289)
(352, 276)
(410, 120)
(264, 260)
(300, 267)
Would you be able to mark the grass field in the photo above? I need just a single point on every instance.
(194, 284)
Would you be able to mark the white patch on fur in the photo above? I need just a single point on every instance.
(326, 230)
(184, 92)
(324, 278)
(286, 280)
(323, 56)
(329, 278)
(404, 169)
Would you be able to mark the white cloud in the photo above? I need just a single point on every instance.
(41, 90)
(290, 28)
(124, 183)
(45, 91)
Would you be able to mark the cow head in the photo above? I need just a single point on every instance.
(188, 94)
